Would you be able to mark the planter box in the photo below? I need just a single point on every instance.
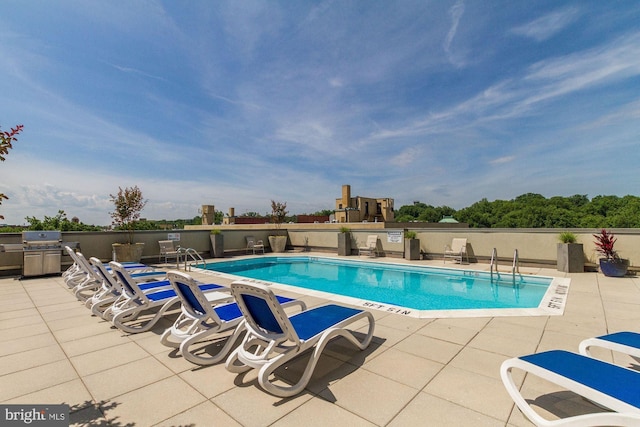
(278, 243)
(570, 257)
(125, 252)
(217, 245)
(412, 249)
(344, 244)
(612, 268)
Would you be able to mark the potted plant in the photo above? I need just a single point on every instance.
(128, 205)
(411, 245)
(217, 243)
(278, 242)
(611, 265)
(570, 254)
(344, 241)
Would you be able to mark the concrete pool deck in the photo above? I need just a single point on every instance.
(441, 371)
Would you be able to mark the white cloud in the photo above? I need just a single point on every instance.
(547, 26)
(502, 160)
(456, 12)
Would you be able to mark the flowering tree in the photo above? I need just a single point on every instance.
(278, 213)
(129, 203)
(6, 140)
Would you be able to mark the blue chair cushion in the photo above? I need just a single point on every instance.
(152, 285)
(621, 383)
(312, 322)
(229, 312)
(631, 339)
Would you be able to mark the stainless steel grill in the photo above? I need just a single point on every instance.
(42, 252)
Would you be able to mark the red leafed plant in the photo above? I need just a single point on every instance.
(604, 245)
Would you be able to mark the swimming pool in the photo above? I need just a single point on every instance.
(397, 285)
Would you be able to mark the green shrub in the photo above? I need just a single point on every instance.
(568, 237)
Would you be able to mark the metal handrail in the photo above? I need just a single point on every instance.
(515, 268)
(494, 263)
(187, 253)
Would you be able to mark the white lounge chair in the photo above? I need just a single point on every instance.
(134, 301)
(457, 250)
(92, 280)
(110, 291)
(371, 247)
(621, 342)
(206, 316)
(607, 385)
(273, 338)
(254, 245)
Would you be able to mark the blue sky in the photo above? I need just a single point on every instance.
(235, 103)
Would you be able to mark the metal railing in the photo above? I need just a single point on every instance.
(190, 257)
(494, 264)
(515, 267)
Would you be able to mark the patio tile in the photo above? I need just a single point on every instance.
(72, 304)
(474, 391)
(8, 316)
(250, 406)
(150, 342)
(21, 322)
(328, 371)
(26, 343)
(429, 348)
(37, 378)
(387, 336)
(371, 396)
(210, 381)
(76, 312)
(72, 392)
(440, 413)
(107, 358)
(204, 414)
(320, 413)
(402, 323)
(28, 359)
(404, 368)
(482, 362)
(506, 328)
(125, 378)
(91, 328)
(152, 403)
(92, 343)
(559, 340)
(448, 332)
(508, 346)
(23, 331)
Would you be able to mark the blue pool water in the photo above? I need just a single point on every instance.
(420, 288)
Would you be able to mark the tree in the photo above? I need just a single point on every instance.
(128, 205)
(278, 213)
(6, 143)
(59, 222)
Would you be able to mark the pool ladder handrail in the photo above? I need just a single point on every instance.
(187, 253)
(494, 264)
(515, 267)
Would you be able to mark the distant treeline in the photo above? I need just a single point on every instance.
(535, 211)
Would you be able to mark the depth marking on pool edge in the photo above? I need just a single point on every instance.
(387, 308)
